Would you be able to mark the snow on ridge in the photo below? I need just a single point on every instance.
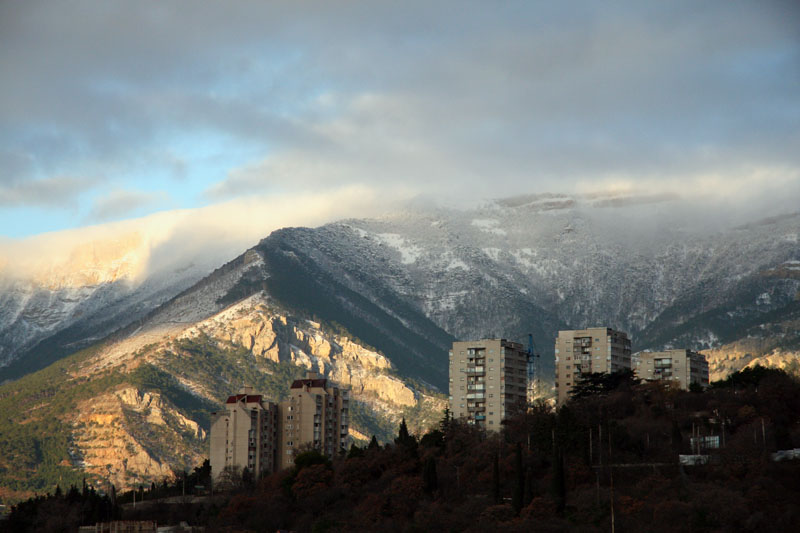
(488, 225)
(456, 263)
(485, 223)
(493, 253)
(409, 253)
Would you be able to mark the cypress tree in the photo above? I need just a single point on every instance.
(429, 477)
(373, 444)
(496, 478)
(519, 480)
(559, 483)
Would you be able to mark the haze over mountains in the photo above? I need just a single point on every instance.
(373, 303)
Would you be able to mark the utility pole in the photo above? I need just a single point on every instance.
(600, 439)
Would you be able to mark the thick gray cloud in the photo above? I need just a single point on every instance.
(490, 99)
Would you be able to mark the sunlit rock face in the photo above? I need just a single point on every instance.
(129, 434)
(267, 333)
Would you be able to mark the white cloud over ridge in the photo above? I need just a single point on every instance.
(211, 102)
(172, 239)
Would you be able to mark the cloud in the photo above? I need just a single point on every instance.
(61, 191)
(203, 237)
(121, 203)
(437, 98)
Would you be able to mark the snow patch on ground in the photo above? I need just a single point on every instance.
(493, 253)
(456, 263)
(409, 253)
(489, 225)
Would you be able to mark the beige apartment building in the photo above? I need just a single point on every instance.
(488, 381)
(316, 415)
(244, 434)
(684, 367)
(265, 437)
(586, 351)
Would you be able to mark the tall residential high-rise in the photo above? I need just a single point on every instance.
(681, 366)
(585, 351)
(488, 381)
(244, 434)
(315, 415)
(265, 437)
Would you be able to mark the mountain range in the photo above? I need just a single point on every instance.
(118, 367)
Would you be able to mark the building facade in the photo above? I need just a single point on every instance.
(245, 434)
(488, 381)
(315, 415)
(586, 351)
(264, 436)
(684, 367)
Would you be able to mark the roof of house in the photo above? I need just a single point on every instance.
(313, 383)
(248, 398)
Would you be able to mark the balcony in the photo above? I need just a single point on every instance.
(480, 417)
(477, 371)
(476, 396)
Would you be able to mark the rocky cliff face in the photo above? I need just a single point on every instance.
(266, 333)
(121, 436)
(133, 433)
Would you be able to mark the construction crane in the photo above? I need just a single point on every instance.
(533, 369)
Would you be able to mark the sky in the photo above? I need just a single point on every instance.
(113, 111)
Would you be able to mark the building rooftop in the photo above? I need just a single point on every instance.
(311, 383)
(248, 398)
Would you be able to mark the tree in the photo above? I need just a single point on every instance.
(559, 486)
(247, 478)
(519, 480)
(373, 444)
(310, 458)
(403, 435)
(597, 383)
(355, 451)
(496, 478)
(429, 477)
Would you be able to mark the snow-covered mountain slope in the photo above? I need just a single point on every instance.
(661, 269)
(136, 406)
(57, 305)
(540, 263)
